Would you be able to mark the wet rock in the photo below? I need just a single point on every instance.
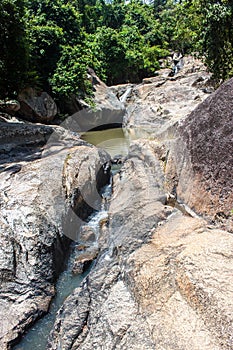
(37, 106)
(121, 90)
(84, 259)
(41, 199)
(113, 320)
(163, 275)
(199, 166)
(87, 235)
(163, 283)
(117, 159)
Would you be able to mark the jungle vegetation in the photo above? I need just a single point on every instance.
(50, 44)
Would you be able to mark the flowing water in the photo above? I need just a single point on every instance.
(115, 142)
(36, 338)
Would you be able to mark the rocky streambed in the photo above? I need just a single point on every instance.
(162, 276)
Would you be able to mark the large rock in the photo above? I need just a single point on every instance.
(107, 110)
(163, 279)
(162, 100)
(48, 181)
(16, 135)
(182, 283)
(37, 106)
(105, 314)
(200, 161)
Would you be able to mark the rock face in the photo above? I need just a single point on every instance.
(40, 200)
(200, 160)
(15, 136)
(181, 281)
(163, 275)
(37, 106)
(162, 100)
(107, 110)
(162, 280)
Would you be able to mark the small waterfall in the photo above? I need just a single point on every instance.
(36, 338)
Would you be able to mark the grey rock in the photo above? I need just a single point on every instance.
(42, 206)
(113, 320)
(163, 275)
(37, 106)
(13, 135)
(159, 102)
(164, 282)
(107, 110)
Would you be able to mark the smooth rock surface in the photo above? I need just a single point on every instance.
(182, 281)
(40, 198)
(163, 279)
(110, 319)
(163, 276)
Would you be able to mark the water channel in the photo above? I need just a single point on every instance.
(115, 142)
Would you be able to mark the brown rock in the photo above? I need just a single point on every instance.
(87, 235)
(182, 281)
(200, 161)
(84, 259)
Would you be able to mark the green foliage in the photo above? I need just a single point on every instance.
(70, 76)
(122, 41)
(45, 49)
(14, 50)
(158, 6)
(51, 25)
(217, 38)
(124, 55)
(187, 23)
(57, 13)
(110, 52)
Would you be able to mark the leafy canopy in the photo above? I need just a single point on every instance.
(122, 41)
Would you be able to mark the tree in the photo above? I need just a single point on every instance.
(70, 76)
(158, 6)
(51, 26)
(217, 38)
(14, 49)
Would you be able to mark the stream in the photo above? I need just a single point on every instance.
(36, 337)
(115, 142)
